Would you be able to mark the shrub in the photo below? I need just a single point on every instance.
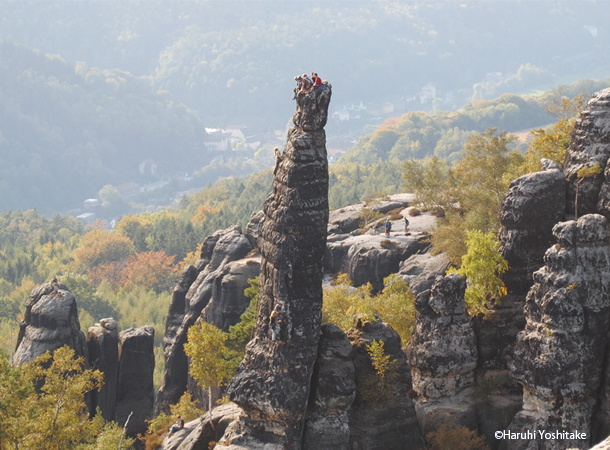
(454, 437)
(438, 212)
(387, 244)
(413, 212)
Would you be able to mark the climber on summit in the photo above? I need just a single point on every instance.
(297, 89)
(317, 81)
(55, 285)
(307, 83)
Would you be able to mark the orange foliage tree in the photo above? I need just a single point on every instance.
(152, 270)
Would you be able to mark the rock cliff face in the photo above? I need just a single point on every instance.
(442, 354)
(533, 205)
(272, 382)
(382, 415)
(333, 392)
(50, 322)
(590, 144)
(559, 354)
(103, 345)
(214, 287)
(135, 392)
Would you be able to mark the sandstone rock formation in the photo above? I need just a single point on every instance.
(272, 383)
(103, 345)
(442, 354)
(135, 390)
(369, 259)
(382, 415)
(590, 145)
(422, 269)
(559, 355)
(333, 392)
(50, 322)
(217, 280)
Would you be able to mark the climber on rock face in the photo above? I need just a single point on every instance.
(278, 158)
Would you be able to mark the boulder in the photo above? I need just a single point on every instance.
(103, 345)
(51, 321)
(135, 391)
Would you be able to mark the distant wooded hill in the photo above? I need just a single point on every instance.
(234, 61)
(66, 131)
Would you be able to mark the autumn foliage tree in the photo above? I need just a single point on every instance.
(99, 247)
(152, 270)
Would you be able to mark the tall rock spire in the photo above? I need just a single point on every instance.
(273, 381)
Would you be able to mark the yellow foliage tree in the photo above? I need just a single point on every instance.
(394, 305)
(211, 360)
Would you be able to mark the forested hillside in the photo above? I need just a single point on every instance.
(68, 130)
(235, 61)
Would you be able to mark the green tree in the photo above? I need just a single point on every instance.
(211, 362)
(481, 266)
(432, 181)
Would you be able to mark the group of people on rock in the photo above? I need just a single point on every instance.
(307, 83)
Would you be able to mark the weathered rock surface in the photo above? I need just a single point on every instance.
(369, 259)
(103, 345)
(422, 269)
(442, 354)
(559, 355)
(272, 383)
(533, 205)
(333, 392)
(135, 391)
(213, 280)
(590, 145)
(197, 434)
(382, 415)
(51, 321)
(349, 218)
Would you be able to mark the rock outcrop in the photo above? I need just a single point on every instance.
(442, 354)
(559, 355)
(103, 345)
(51, 321)
(216, 280)
(369, 259)
(135, 390)
(533, 205)
(382, 415)
(272, 382)
(333, 391)
(590, 145)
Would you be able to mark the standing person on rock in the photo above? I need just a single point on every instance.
(406, 226)
(388, 227)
